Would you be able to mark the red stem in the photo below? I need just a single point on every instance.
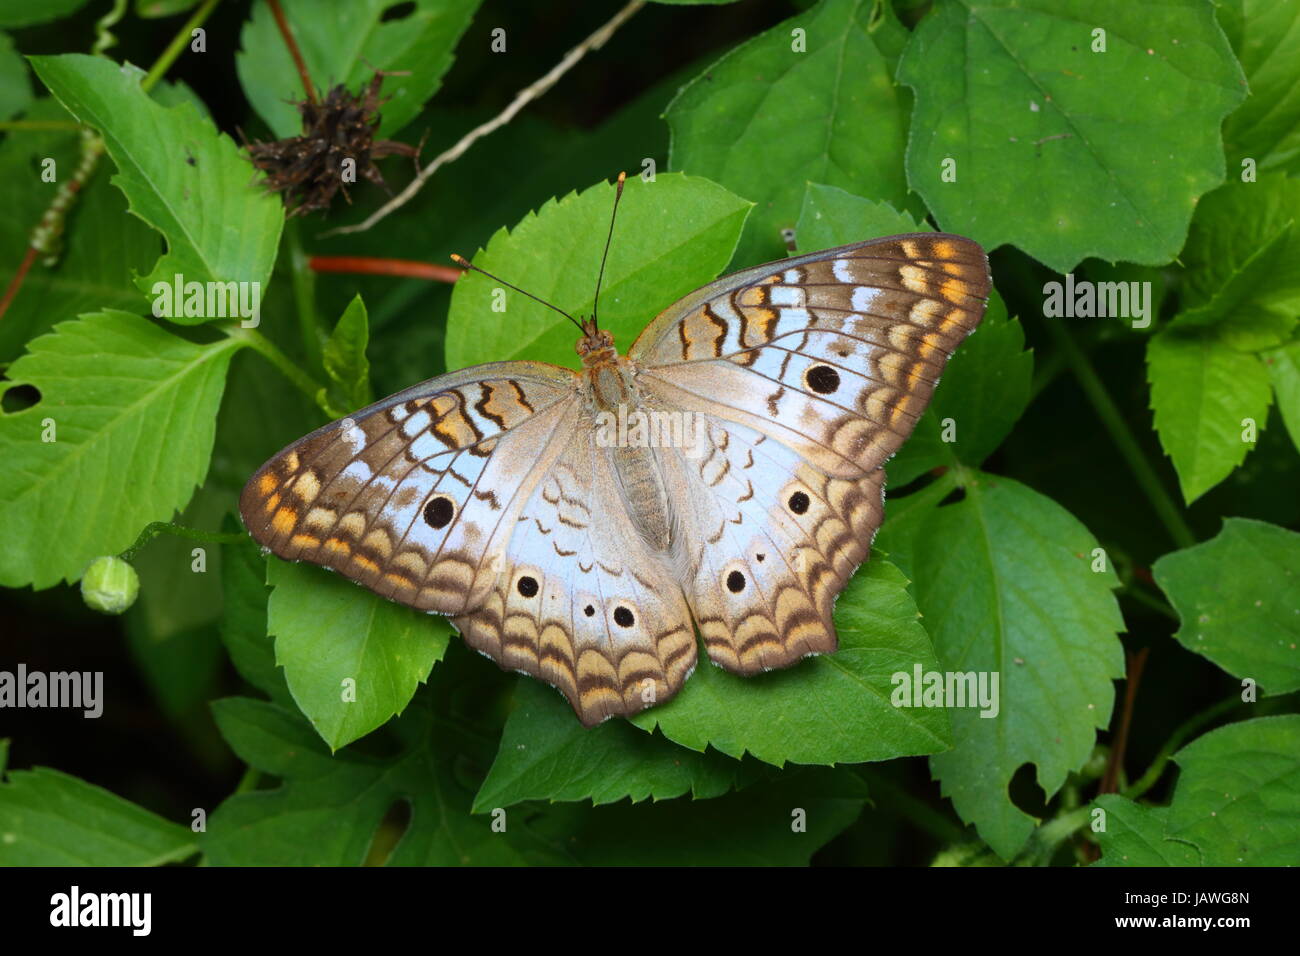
(294, 52)
(17, 280)
(1110, 779)
(371, 265)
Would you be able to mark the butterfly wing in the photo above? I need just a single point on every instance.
(415, 496)
(806, 375)
(581, 601)
(834, 353)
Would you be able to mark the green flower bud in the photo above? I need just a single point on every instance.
(110, 585)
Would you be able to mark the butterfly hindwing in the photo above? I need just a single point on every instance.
(581, 602)
(414, 496)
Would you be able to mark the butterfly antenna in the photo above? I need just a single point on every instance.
(467, 265)
(595, 306)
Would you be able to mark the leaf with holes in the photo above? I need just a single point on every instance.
(124, 404)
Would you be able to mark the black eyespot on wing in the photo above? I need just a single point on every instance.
(823, 379)
(623, 617)
(761, 557)
(439, 511)
(798, 502)
(735, 582)
(527, 586)
(589, 610)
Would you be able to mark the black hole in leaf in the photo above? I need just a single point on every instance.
(20, 397)
(398, 11)
(954, 496)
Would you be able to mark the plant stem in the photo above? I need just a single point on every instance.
(1120, 433)
(289, 41)
(304, 296)
(177, 46)
(271, 352)
(376, 266)
(1185, 730)
(1115, 765)
(156, 528)
(1154, 603)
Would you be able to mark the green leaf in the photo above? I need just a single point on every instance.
(48, 818)
(1004, 580)
(129, 406)
(1238, 796)
(1242, 261)
(15, 84)
(1202, 393)
(1238, 600)
(547, 755)
(832, 217)
(986, 386)
(1065, 152)
(835, 708)
(755, 827)
(1284, 372)
(345, 357)
(102, 245)
(352, 660)
(673, 235)
(22, 13)
(345, 43)
(769, 117)
(1266, 37)
(243, 625)
(1135, 836)
(219, 226)
(328, 810)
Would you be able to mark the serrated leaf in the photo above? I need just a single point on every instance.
(1238, 601)
(672, 236)
(243, 624)
(1238, 796)
(834, 708)
(180, 175)
(345, 43)
(1284, 372)
(1135, 836)
(351, 659)
(1004, 580)
(769, 117)
(1266, 37)
(1202, 393)
(101, 247)
(345, 356)
(48, 818)
(547, 755)
(1065, 152)
(327, 810)
(132, 407)
(754, 827)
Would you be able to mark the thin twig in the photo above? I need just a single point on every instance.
(294, 52)
(525, 96)
(17, 280)
(375, 266)
(1110, 779)
(1185, 730)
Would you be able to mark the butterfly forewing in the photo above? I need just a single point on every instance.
(415, 497)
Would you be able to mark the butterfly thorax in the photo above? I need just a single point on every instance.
(613, 400)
